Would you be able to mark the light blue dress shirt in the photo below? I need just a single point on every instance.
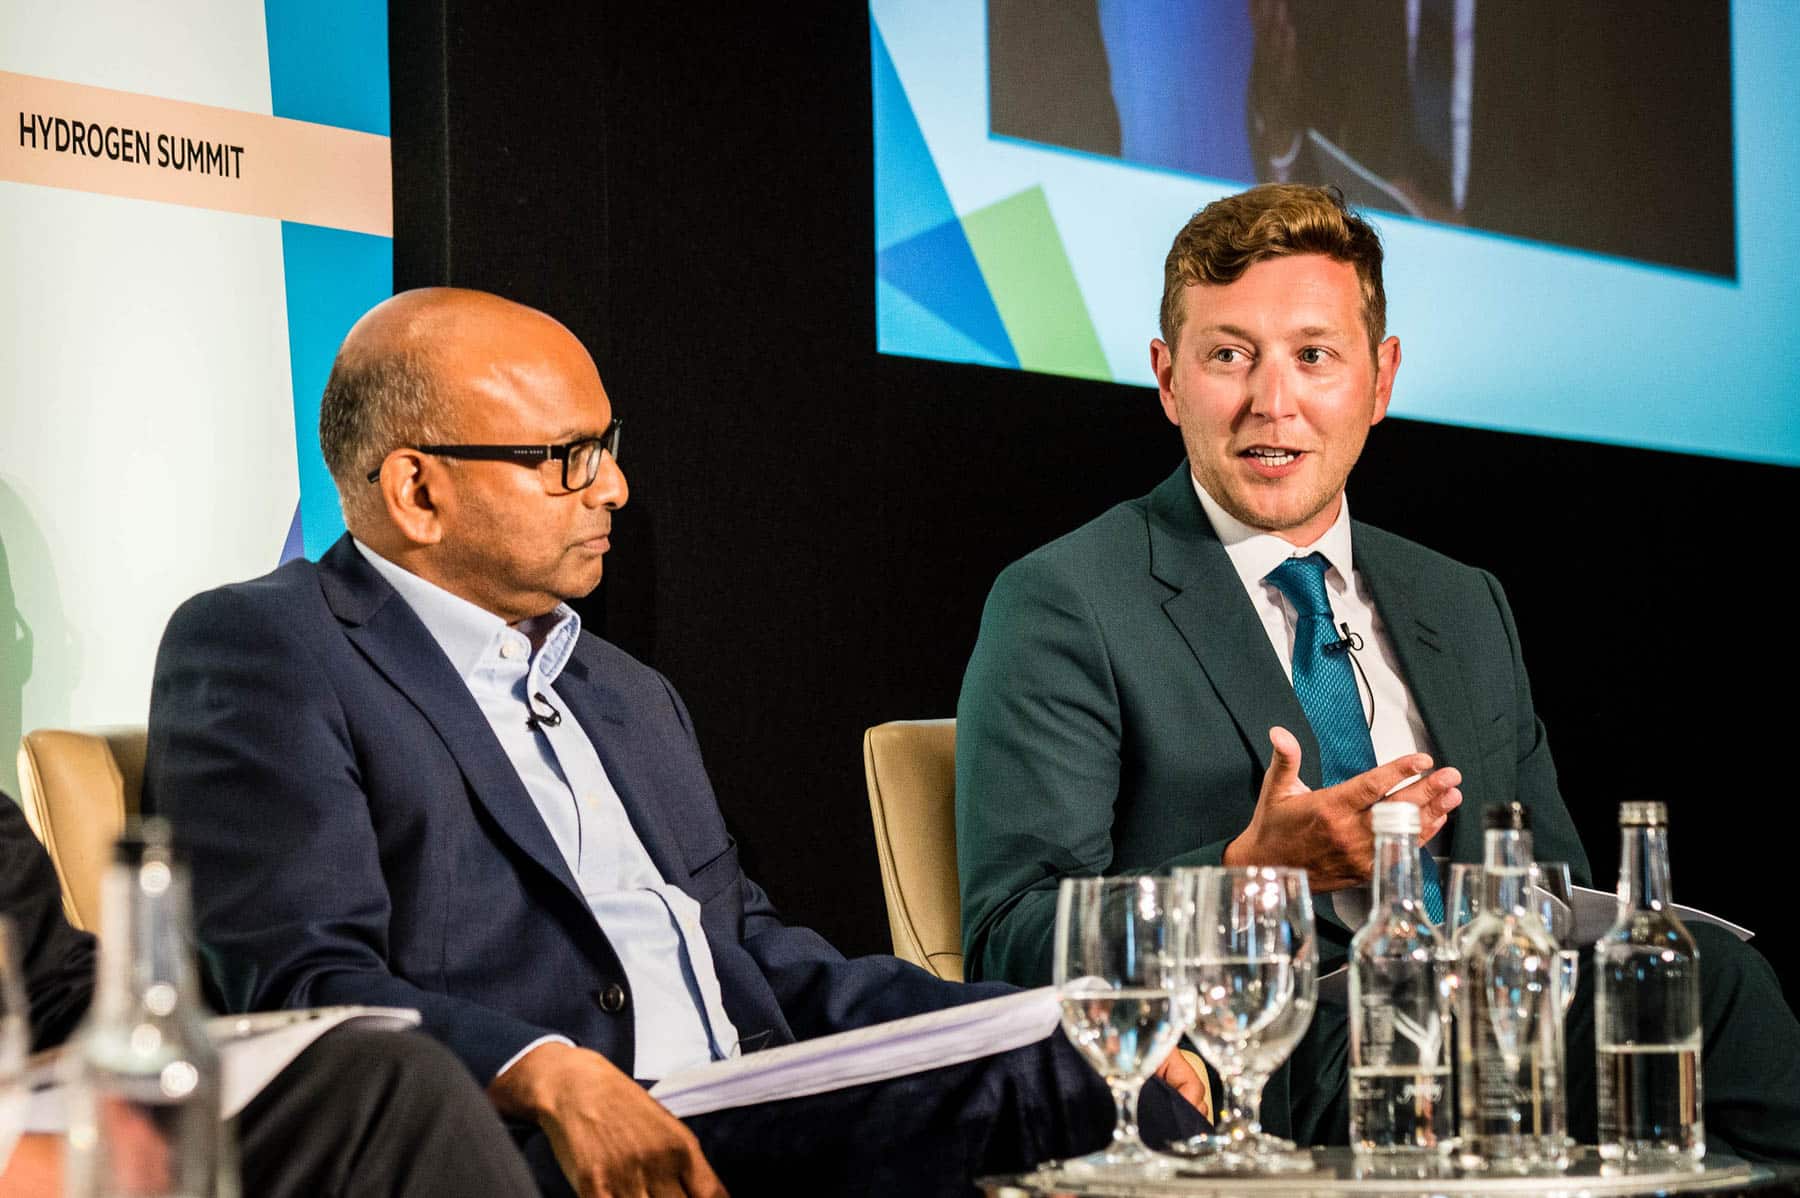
(653, 927)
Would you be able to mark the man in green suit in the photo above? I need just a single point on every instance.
(1129, 706)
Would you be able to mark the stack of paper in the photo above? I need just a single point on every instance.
(1595, 909)
(252, 1050)
(869, 1054)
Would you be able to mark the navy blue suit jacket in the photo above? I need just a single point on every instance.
(357, 834)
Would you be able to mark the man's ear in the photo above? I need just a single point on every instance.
(407, 481)
(1162, 365)
(1387, 365)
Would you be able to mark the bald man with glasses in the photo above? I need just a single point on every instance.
(407, 777)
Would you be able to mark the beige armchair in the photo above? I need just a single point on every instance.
(78, 787)
(911, 768)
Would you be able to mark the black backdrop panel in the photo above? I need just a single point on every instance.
(813, 527)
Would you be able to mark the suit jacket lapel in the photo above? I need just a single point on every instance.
(616, 735)
(1215, 617)
(385, 630)
(1428, 664)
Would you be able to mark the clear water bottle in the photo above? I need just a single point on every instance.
(1509, 1028)
(1399, 1005)
(144, 1080)
(1647, 1008)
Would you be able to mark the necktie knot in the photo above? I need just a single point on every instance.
(1302, 580)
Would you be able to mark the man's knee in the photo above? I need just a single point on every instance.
(1729, 966)
(411, 1060)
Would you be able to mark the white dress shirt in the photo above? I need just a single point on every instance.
(1394, 720)
(654, 927)
(1395, 723)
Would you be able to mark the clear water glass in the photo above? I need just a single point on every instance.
(1253, 961)
(1125, 999)
(1464, 902)
(1552, 898)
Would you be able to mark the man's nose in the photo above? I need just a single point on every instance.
(1272, 391)
(609, 488)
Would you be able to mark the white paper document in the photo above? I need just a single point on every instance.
(869, 1054)
(1595, 910)
(252, 1050)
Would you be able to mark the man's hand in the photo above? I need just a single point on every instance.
(1185, 1080)
(611, 1138)
(1328, 832)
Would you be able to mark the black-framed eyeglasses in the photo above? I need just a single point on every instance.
(580, 458)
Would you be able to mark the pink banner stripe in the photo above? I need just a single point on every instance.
(69, 135)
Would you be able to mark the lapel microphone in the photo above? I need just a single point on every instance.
(1351, 641)
(1352, 644)
(548, 718)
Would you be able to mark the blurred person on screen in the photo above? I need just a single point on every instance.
(1584, 123)
(1544, 119)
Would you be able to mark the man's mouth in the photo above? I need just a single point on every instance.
(1262, 455)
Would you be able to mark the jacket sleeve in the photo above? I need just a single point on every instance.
(821, 991)
(55, 960)
(818, 989)
(1039, 736)
(251, 758)
(1553, 834)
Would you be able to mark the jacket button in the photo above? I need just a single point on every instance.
(612, 999)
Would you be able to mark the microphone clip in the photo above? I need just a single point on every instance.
(548, 718)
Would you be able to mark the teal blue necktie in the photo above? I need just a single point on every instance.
(1325, 684)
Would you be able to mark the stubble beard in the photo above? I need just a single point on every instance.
(1291, 512)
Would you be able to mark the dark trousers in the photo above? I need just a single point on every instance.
(1750, 1061)
(368, 1114)
(927, 1134)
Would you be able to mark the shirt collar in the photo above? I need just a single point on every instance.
(471, 636)
(1254, 553)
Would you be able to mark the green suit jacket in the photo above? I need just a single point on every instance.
(1115, 714)
(1115, 718)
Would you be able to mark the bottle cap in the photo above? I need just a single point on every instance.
(1506, 817)
(1643, 815)
(1395, 818)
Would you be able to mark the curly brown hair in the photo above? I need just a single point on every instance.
(1229, 236)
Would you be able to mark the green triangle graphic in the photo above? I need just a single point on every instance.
(1027, 271)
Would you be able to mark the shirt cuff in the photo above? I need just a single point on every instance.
(520, 1055)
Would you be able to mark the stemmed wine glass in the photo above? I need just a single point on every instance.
(15, 1042)
(1552, 897)
(1467, 882)
(1119, 949)
(1465, 900)
(1254, 965)
(1549, 895)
